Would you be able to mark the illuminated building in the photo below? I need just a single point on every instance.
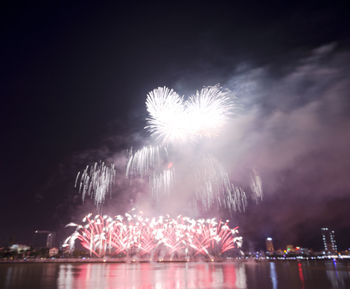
(269, 245)
(290, 248)
(19, 248)
(53, 252)
(328, 239)
(50, 237)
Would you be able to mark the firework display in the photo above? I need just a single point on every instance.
(177, 126)
(181, 132)
(96, 181)
(158, 237)
(173, 120)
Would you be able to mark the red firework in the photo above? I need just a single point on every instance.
(136, 235)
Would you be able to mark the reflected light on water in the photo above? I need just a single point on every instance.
(273, 275)
(152, 275)
(301, 275)
(163, 275)
(336, 274)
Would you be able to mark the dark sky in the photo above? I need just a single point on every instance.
(74, 77)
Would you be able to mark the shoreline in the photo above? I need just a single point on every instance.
(137, 261)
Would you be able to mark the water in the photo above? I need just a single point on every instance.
(252, 275)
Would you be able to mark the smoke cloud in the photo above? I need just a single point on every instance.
(295, 123)
(292, 128)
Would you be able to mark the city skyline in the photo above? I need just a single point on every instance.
(175, 144)
(75, 81)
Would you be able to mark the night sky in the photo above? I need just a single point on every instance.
(74, 78)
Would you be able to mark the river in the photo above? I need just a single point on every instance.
(249, 274)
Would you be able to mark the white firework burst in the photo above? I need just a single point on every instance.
(145, 160)
(175, 123)
(174, 120)
(96, 181)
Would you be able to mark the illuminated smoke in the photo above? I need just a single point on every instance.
(256, 185)
(145, 160)
(178, 126)
(162, 182)
(163, 236)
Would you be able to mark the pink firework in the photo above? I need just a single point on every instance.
(163, 236)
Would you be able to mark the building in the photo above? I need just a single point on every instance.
(19, 248)
(290, 248)
(328, 240)
(53, 252)
(269, 245)
(50, 240)
(50, 237)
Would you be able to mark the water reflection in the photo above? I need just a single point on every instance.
(301, 275)
(241, 281)
(336, 274)
(250, 274)
(27, 275)
(149, 276)
(273, 275)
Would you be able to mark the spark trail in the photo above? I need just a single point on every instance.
(158, 237)
(96, 181)
(177, 125)
(172, 120)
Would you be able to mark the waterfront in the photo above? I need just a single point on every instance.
(250, 275)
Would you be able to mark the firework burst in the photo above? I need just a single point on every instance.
(163, 236)
(96, 181)
(174, 120)
(177, 125)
